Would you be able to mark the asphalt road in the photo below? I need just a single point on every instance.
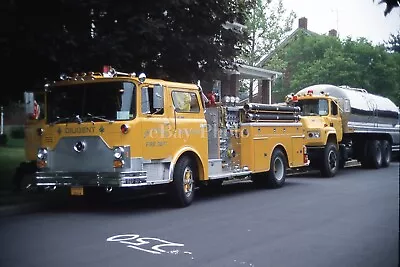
(349, 220)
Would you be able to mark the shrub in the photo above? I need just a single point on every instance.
(3, 139)
(17, 132)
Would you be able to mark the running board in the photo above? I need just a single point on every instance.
(229, 175)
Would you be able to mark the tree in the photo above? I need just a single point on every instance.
(267, 23)
(390, 4)
(357, 63)
(179, 40)
(393, 44)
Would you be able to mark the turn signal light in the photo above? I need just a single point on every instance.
(41, 164)
(124, 128)
(39, 131)
(118, 163)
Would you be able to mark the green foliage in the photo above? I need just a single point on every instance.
(3, 139)
(10, 158)
(268, 22)
(17, 132)
(180, 40)
(357, 63)
(393, 44)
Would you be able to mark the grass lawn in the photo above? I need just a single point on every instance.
(11, 156)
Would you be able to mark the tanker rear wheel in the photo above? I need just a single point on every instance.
(374, 154)
(386, 153)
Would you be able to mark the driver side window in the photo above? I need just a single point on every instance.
(334, 108)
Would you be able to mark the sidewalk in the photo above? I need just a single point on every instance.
(12, 203)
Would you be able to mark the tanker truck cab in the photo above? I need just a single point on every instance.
(319, 113)
(116, 130)
(344, 123)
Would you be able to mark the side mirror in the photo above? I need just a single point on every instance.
(145, 101)
(28, 97)
(158, 97)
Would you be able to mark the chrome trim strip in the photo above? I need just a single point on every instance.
(298, 124)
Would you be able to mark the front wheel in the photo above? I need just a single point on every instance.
(182, 191)
(330, 162)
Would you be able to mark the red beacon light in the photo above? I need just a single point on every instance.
(295, 99)
(108, 71)
(309, 92)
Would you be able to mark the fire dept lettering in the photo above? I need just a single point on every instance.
(80, 130)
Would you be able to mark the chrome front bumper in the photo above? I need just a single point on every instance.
(100, 179)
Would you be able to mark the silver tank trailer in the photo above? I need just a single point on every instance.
(362, 112)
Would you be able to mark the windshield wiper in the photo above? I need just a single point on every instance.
(61, 119)
(66, 119)
(99, 118)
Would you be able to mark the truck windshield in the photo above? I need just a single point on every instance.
(313, 107)
(106, 101)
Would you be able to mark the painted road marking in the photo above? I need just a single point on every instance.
(136, 242)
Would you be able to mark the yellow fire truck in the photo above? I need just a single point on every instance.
(119, 130)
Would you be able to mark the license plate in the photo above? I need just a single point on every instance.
(76, 191)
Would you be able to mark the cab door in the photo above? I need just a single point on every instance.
(156, 126)
(336, 120)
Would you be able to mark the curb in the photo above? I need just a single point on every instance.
(18, 209)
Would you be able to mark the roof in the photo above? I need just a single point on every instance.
(250, 72)
(284, 43)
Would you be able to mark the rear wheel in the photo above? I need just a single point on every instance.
(276, 175)
(374, 154)
(182, 191)
(386, 153)
(277, 172)
(330, 162)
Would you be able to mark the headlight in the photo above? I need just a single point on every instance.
(118, 152)
(42, 154)
(314, 134)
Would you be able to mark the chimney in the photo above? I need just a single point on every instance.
(303, 23)
(333, 33)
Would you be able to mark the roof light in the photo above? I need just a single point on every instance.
(142, 77)
(310, 92)
(108, 71)
(63, 76)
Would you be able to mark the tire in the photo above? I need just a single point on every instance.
(276, 176)
(386, 153)
(277, 171)
(183, 185)
(330, 162)
(374, 153)
(22, 179)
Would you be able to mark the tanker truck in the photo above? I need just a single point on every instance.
(344, 123)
